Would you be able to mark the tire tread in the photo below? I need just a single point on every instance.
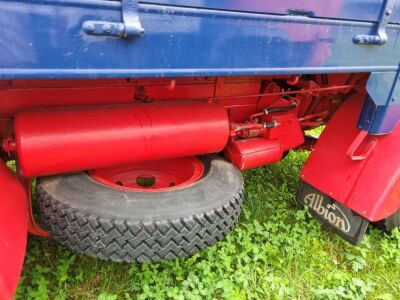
(128, 240)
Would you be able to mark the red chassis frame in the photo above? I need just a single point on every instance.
(244, 98)
(266, 117)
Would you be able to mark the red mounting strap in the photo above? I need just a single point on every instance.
(33, 227)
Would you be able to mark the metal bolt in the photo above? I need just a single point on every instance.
(107, 28)
(91, 28)
(388, 12)
(394, 99)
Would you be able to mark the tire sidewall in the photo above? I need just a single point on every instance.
(220, 183)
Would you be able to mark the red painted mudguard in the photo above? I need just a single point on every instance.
(13, 231)
(356, 169)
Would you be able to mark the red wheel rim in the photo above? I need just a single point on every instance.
(151, 176)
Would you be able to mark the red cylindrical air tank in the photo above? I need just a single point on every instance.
(71, 139)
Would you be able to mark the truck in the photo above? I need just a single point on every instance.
(129, 121)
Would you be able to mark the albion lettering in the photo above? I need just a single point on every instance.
(331, 212)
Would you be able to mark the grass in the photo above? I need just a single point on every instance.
(276, 252)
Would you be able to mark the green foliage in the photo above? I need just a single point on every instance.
(104, 296)
(276, 252)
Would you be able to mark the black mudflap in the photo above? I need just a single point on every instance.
(332, 214)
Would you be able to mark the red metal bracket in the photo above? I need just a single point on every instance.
(361, 147)
(33, 227)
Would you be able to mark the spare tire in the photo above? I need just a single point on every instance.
(128, 225)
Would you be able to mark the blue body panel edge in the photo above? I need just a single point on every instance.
(47, 39)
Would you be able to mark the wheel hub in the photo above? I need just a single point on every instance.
(151, 176)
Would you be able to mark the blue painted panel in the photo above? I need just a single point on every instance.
(381, 111)
(44, 39)
(383, 87)
(379, 119)
(361, 10)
